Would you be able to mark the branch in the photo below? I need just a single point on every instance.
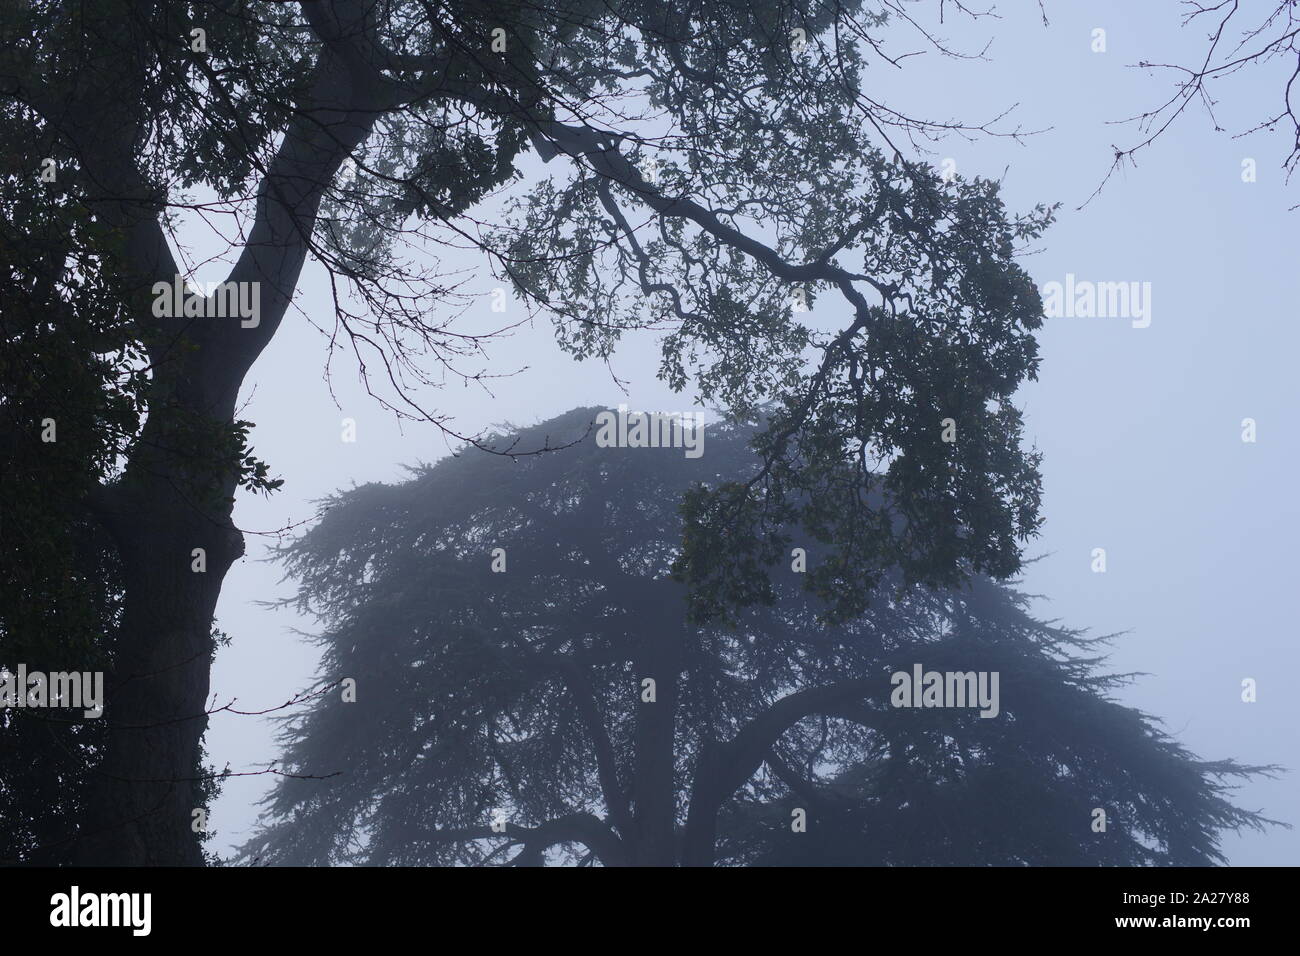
(584, 828)
(343, 102)
(724, 768)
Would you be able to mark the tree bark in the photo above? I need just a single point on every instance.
(144, 790)
(654, 786)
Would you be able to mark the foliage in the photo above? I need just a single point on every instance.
(518, 692)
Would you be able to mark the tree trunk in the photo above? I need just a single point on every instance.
(144, 792)
(175, 498)
(700, 835)
(654, 790)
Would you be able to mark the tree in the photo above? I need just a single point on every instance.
(1233, 44)
(64, 364)
(778, 182)
(500, 619)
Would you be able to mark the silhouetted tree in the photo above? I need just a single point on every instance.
(721, 164)
(517, 696)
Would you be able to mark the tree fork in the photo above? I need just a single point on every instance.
(140, 800)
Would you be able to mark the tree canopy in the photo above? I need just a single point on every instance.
(718, 167)
(499, 617)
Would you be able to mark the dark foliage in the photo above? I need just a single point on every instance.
(518, 694)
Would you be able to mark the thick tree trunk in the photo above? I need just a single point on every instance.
(170, 517)
(700, 834)
(144, 792)
(654, 790)
(175, 498)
